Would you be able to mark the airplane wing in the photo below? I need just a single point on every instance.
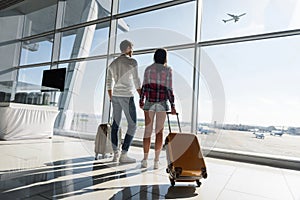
(242, 14)
(231, 15)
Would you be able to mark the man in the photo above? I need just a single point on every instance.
(124, 74)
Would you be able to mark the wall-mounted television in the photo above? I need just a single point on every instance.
(54, 78)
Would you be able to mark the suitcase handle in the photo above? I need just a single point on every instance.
(169, 113)
(109, 109)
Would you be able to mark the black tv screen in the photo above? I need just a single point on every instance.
(54, 78)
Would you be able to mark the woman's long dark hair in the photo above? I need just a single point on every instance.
(160, 57)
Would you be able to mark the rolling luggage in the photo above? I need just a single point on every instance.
(184, 157)
(103, 143)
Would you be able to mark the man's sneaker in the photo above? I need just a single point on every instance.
(156, 164)
(116, 156)
(144, 164)
(126, 159)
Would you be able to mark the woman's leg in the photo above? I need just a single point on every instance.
(149, 115)
(159, 127)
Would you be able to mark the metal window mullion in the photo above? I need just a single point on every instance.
(84, 24)
(110, 52)
(32, 37)
(196, 72)
(81, 59)
(250, 38)
(169, 48)
(33, 65)
(15, 82)
(57, 35)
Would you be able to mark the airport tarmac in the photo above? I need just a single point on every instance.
(285, 145)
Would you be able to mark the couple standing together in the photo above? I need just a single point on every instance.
(122, 79)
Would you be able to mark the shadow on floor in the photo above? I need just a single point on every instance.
(163, 191)
(63, 177)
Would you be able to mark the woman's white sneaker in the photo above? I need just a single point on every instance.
(144, 163)
(156, 164)
(116, 156)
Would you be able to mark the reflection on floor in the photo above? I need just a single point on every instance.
(64, 168)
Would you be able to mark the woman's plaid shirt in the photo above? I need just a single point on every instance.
(157, 84)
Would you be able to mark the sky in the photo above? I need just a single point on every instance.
(259, 80)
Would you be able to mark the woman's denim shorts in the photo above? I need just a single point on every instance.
(161, 106)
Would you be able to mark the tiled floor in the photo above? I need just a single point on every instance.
(64, 168)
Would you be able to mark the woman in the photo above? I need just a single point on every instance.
(157, 90)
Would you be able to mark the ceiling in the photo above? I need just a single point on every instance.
(7, 3)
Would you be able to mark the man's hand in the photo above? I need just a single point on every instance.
(139, 91)
(109, 94)
(142, 105)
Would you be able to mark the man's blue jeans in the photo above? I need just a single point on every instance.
(125, 104)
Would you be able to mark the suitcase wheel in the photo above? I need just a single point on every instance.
(172, 181)
(204, 173)
(198, 183)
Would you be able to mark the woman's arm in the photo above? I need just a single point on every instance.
(170, 91)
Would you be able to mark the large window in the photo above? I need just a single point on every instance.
(260, 80)
(245, 87)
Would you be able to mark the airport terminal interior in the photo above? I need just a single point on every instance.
(235, 68)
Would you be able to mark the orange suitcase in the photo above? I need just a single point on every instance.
(184, 157)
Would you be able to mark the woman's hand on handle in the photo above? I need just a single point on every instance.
(173, 111)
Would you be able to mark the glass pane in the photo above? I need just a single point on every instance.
(13, 26)
(87, 99)
(262, 16)
(127, 5)
(260, 80)
(7, 82)
(84, 42)
(160, 28)
(9, 55)
(29, 87)
(37, 50)
(40, 18)
(181, 62)
(79, 11)
(32, 75)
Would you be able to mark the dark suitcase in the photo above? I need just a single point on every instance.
(184, 157)
(103, 143)
(4, 97)
(21, 97)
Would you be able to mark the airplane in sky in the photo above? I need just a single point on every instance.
(233, 17)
